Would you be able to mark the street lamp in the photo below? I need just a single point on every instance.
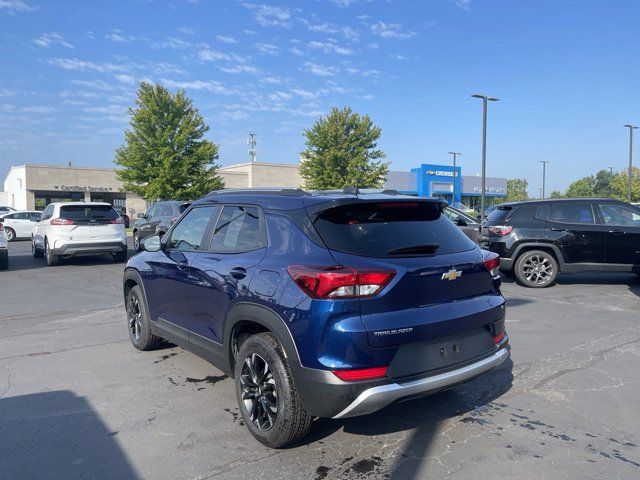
(544, 175)
(485, 99)
(631, 129)
(455, 156)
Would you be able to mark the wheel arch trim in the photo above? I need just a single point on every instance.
(539, 245)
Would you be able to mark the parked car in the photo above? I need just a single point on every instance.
(19, 224)
(4, 250)
(124, 216)
(156, 221)
(4, 210)
(319, 305)
(69, 229)
(463, 208)
(469, 226)
(537, 240)
(487, 211)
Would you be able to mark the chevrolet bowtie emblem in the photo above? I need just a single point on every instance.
(452, 274)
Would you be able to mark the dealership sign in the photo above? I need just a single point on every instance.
(489, 190)
(439, 173)
(86, 188)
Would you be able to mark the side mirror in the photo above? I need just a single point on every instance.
(140, 215)
(461, 222)
(151, 244)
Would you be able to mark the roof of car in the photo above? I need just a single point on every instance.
(291, 199)
(558, 200)
(79, 203)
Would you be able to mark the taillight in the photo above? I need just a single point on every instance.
(339, 282)
(499, 230)
(118, 220)
(1, 227)
(61, 221)
(491, 261)
(498, 338)
(360, 374)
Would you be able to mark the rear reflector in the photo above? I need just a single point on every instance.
(61, 221)
(491, 261)
(335, 281)
(500, 230)
(498, 338)
(360, 374)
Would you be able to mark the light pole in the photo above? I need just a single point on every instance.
(544, 175)
(455, 156)
(540, 192)
(631, 129)
(485, 99)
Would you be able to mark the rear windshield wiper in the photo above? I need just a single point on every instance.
(415, 249)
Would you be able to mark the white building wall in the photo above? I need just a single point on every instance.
(15, 186)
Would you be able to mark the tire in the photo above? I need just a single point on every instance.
(290, 422)
(11, 234)
(136, 241)
(120, 257)
(4, 260)
(52, 259)
(138, 322)
(536, 269)
(35, 251)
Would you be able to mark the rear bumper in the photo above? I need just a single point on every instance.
(72, 249)
(506, 264)
(375, 398)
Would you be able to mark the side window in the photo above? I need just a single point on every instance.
(21, 216)
(10, 216)
(571, 213)
(450, 214)
(238, 230)
(165, 211)
(34, 216)
(189, 233)
(614, 214)
(542, 212)
(152, 212)
(47, 213)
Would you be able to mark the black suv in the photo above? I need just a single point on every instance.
(156, 221)
(536, 240)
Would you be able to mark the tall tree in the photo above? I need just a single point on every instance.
(584, 187)
(517, 190)
(165, 155)
(342, 152)
(556, 194)
(619, 185)
(602, 186)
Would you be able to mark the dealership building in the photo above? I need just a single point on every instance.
(32, 187)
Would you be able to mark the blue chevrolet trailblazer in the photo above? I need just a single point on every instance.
(320, 304)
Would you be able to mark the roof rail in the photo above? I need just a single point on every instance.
(295, 192)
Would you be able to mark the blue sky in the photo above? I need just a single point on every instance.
(567, 74)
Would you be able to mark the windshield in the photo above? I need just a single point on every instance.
(385, 229)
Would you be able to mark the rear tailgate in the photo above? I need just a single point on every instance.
(90, 223)
(434, 294)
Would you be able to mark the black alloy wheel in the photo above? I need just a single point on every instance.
(259, 394)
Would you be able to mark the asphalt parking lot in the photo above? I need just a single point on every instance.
(78, 401)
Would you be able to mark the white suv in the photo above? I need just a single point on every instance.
(78, 228)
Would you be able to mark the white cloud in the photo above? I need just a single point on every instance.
(330, 46)
(173, 43)
(226, 39)
(343, 3)
(47, 39)
(37, 109)
(270, 16)
(186, 31)
(323, 28)
(211, 86)
(272, 80)
(126, 79)
(391, 30)
(320, 70)
(97, 84)
(211, 55)
(14, 6)
(301, 92)
(298, 51)
(463, 4)
(82, 65)
(370, 73)
(329, 28)
(397, 56)
(118, 36)
(268, 48)
(277, 96)
(6, 93)
(240, 69)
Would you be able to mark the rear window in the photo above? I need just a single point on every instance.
(88, 213)
(390, 229)
(500, 214)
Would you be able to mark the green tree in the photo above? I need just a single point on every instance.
(165, 155)
(584, 187)
(619, 185)
(602, 186)
(556, 194)
(342, 152)
(517, 190)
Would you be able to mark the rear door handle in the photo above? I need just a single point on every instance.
(556, 229)
(238, 273)
(617, 232)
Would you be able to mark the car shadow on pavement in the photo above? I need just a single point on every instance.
(58, 435)
(25, 261)
(424, 416)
